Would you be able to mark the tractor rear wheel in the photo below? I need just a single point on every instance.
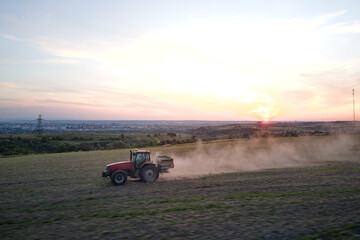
(119, 177)
(149, 173)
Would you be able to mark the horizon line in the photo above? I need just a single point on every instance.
(187, 120)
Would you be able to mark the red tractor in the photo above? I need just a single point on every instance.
(139, 166)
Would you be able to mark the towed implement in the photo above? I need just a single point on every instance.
(139, 166)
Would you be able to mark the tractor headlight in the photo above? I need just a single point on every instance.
(106, 172)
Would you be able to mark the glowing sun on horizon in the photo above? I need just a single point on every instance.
(266, 113)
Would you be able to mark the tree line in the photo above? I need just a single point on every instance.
(57, 143)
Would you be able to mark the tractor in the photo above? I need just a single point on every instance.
(139, 166)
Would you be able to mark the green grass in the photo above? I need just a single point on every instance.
(351, 231)
(112, 214)
(289, 194)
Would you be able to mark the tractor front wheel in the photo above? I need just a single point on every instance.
(149, 173)
(119, 177)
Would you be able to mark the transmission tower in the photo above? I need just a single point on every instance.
(39, 125)
(354, 110)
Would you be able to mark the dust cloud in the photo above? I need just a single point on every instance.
(258, 154)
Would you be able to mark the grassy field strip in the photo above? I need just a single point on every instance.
(90, 202)
(345, 232)
(289, 194)
(186, 204)
(108, 214)
(139, 212)
(265, 172)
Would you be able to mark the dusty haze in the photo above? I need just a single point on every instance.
(257, 154)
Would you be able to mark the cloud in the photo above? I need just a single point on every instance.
(69, 103)
(198, 35)
(7, 85)
(11, 37)
(341, 28)
(30, 42)
(339, 78)
(253, 50)
(39, 61)
(54, 61)
(325, 18)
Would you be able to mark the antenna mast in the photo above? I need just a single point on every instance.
(354, 109)
(354, 104)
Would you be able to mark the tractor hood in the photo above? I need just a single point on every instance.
(120, 166)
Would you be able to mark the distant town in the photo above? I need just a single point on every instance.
(229, 129)
(98, 126)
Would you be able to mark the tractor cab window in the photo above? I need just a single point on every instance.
(141, 158)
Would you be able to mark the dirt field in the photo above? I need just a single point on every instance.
(63, 196)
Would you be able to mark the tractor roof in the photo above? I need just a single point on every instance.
(142, 151)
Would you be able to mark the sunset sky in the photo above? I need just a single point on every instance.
(180, 60)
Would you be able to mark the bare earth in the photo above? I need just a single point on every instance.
(52, 197)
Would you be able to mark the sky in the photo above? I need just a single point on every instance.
(180, 60)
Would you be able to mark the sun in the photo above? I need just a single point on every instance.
(266, 113)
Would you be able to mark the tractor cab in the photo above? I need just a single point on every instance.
(139, 157)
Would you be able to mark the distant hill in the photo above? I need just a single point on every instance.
(275, 129)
